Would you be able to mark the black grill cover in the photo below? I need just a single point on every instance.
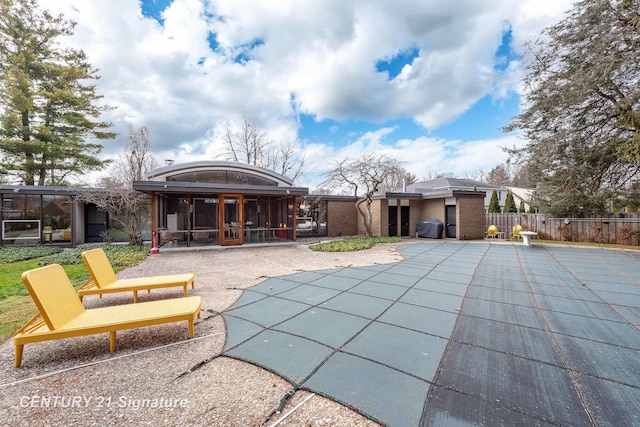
(431, 228)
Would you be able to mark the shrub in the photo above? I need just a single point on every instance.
(15, 254)
(544, 236)
(510, 204)
(494, 203)
(351, 244)
(119, 255)
(629, 235)
(566, 234)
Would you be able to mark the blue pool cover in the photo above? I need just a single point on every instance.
(457, 333)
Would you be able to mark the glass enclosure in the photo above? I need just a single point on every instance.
(29, 219)
(223, 219)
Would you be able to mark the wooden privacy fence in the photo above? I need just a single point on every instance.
(621, 229)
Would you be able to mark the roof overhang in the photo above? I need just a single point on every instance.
(204, 188)
(453, 193)
(435, 194)
(400, 195)
(331, 197)
(42, 190)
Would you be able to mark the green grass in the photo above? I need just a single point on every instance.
(351, 244)
(16, 306)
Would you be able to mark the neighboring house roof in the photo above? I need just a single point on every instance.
(524, 194)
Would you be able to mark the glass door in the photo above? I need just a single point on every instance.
(231, 221)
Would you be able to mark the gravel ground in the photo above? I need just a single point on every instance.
(77, 381)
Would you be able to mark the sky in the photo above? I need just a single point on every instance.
(429, 82)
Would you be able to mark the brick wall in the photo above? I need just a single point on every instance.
(432, 209)
(342, 218)
(470, 218)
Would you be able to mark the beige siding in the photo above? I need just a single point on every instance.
(433, 209)
(415, 215)
(379, 218)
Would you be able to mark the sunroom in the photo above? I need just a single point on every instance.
(208, 203)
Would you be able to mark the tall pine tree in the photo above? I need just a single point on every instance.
(49, 106)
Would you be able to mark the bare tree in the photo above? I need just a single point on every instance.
(500, 175)
(364, 176)
(480, 175)
(434, 174)
(397, 181)
(252, 146)
(246, 146)
(136, 160)
(126, 207)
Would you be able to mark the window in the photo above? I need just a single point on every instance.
(222, 177)
(311, 217)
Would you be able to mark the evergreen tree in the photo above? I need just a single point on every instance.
(522, 208)
(494, 203)
(48, 104)
(510, 204)
(582, 114)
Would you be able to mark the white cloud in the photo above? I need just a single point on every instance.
(323, 53)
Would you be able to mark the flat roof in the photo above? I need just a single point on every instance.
(42, 189)
(206, 188)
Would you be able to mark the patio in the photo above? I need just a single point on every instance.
(457, 334)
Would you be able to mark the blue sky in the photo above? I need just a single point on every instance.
(430, 83)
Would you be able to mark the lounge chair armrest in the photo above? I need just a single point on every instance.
(36, 322)
(89, 284)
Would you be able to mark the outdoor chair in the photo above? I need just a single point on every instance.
(515, 231)
(104, 280)
(62, 315)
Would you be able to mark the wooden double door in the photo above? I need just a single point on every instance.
(217, 219)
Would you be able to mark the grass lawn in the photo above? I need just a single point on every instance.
(17, 307)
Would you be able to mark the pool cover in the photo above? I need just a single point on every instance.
(457, 334)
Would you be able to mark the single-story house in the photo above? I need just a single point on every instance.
(207, 203)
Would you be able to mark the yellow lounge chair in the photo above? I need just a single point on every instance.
(104, 280)
(62, 315)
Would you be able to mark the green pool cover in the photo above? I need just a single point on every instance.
(459, 333)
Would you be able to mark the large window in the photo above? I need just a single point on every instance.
(56, 218)
(174, 221)
(21, 218)
(30, 219)
(311, 217)
(222, 177)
